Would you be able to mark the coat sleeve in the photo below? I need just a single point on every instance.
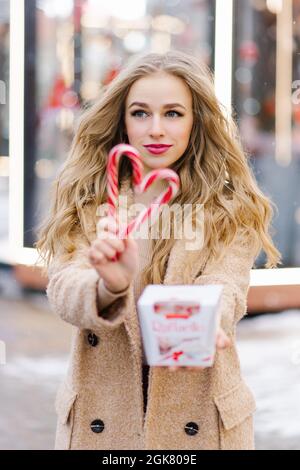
(73, 293)
(106, 297)
(233, 271)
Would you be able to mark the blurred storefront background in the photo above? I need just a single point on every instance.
(266, 68)
(74, 47)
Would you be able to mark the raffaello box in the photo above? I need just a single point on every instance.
(178, 324)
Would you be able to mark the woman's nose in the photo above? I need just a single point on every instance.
(156, 128)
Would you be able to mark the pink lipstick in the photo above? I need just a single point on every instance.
(157, 149)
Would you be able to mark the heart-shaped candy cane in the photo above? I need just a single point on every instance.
(139, 185)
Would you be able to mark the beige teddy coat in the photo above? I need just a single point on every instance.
(99, 404)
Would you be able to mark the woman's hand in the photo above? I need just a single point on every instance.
(118, 274)
(222, 342)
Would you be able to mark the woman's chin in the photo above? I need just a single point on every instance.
(154, 162)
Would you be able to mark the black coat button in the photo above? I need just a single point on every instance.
(97, 425)
(191, 428)
(93, 339)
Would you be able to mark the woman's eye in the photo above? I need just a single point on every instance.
(175, 112)
(139, 113)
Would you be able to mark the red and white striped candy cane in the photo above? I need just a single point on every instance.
(155, 207)
(139, 186)
(113, 173)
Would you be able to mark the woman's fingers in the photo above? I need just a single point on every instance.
(101, 255)
(222, 340)
(114, 243)
(107, 226)
(107, 249)
(96, 257)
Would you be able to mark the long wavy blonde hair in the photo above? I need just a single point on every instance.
(213, 170)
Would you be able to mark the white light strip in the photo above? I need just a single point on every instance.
(16, 125)
(223, 52)
(28, 256)
(275, 277)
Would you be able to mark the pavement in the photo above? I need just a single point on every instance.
(37, 351)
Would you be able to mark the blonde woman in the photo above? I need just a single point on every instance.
(106, 402)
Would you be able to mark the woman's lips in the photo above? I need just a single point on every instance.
(157, 150)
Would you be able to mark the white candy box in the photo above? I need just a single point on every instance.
(178, 324)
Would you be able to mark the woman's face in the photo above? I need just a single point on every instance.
(158, 110)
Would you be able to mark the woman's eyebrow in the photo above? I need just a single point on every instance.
(145, 105)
